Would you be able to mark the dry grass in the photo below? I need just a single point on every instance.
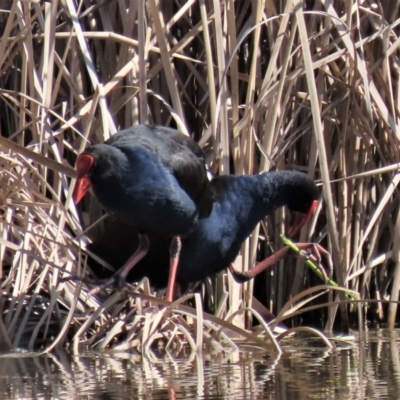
(315, 88)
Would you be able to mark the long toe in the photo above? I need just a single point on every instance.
(116, 280)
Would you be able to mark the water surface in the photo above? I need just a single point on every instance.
(368, 370)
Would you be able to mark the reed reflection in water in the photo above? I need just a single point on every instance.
(367, 371)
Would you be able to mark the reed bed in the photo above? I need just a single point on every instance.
(312, 86)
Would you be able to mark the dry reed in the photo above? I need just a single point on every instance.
(313, 86)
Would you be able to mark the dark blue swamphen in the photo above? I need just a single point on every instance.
(152, 177)
(240, 203)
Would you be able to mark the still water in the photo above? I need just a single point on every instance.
(352, 370)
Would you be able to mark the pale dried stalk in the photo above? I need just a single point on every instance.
(240, 87)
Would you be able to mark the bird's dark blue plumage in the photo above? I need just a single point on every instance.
(152, 177)
(240, 203)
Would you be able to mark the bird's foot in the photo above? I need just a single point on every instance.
(116, 280)
(100, 284)
(74, 278)
(239, 276)
(244, 276)
(312, 252)
(309, 251)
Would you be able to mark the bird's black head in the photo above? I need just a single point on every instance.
(302, 199)
(302, 192)
(106, 159)
(94, 163)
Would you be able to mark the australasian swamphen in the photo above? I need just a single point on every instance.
(240, 203)
(152, 177)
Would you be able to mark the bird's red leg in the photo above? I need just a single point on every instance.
(314, 255)
(171, 394)
(241, 277)
(122, 273)
(142, 250)
(174, 250)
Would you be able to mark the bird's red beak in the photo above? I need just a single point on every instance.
(83, 164)
(299, 219)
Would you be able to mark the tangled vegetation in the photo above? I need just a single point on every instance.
(313, 86)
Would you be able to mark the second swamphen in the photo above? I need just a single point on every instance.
(152, 177)
(240, 203)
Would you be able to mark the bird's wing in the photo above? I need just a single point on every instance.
(191, 173)
(177, 137)
(177, 152)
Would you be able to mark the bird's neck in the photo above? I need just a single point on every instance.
(247, 199)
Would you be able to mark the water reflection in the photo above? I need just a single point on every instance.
(353, 371)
